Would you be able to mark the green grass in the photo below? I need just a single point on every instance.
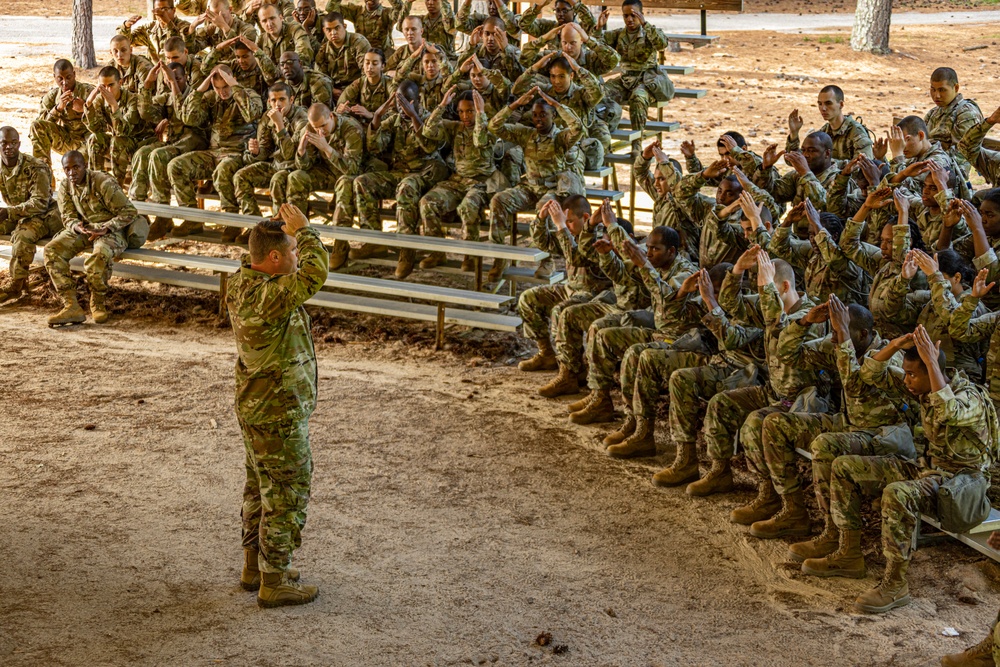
(838, 39)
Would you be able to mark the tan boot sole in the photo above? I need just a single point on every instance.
(869, 609)
(675, 479)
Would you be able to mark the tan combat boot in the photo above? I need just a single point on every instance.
(159, 228)
(892, 591)
(71, 313)
(432, 260)
(683, 469)
(980, 655)
(14, 290)
(98, 308)
(250, 576)
(368, 250)
(338, 255)
(544, 359)
(230, 234)
(576, 406)
(496, 271)
(640, 443)
(824, 544)
(718, 480)
(625, 430)
(469, 264)
(187, 228)
(599, 410)
(846, 561)
(561, 385)
(764, 506)
(404, 266)
(545, 269)
(791, 521)
(278, 590)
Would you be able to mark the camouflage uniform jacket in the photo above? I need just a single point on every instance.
(153, 35)
(536, 27)
(100, 203)
(825, 270)
(666, 210)
(843, 197)
(347, 141)
(439, 29)
(582, 98)
(749, 163)
(252, 79)
(986, 161)
(193, 69)
(431, 90)
(582, 274)
(370, 96)
(292, 38)
(595, 56)
(740, 343)
(375, 26)
(630, 290)
(639, 50)
(26, 189)
(495, 96)
(314, 87)
(343, 64)
(409, 150)
(124, 122)
(207, 36)
(68, 117)
(988, 260)
(972, 323)
(792, 188)
(673, 314)
(544, 154)
(403, 54)
(154, 108)
(133, 76)
(947, 125)
(508, 61)
(278, 147)
(232, 121)
(471, 147)
(467, 20)
(276, 374)
(849, 139)
(935, 153)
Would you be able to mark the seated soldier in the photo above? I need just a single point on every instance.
(330, 155)
(361, 98)
(217, 25)
(308, 86)
(250, 11)
(469, 21)
(176, 51)
(909, 142)
(153, 35)
(240, 60)
(413, 33)
(271, 156)
(732, 145)
(438, 24)
(982, 244)
(566, 11)
(96, 216)
(927, 207)
(112, 116)
(547, 169)
(430, 77)
(305, 14)
(371, 20)
(572, 40)
(30, 213)
(149, 164)
(415, 168)
(468, 189)
(279, 36)
(986, 161)
(230, 112)
(812, 172)
(850, 186)
(660, 187)
(59, 126)
(341, 55)
(490, 46)
(953, 115)
(642, 82)
(131, 66)
(972, 323)
(960, 424)
(848, 135)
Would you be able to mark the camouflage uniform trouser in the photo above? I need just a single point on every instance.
(406, 187)
(738, 411)
(826, 447)
(185, 169)
(276, 494)
(24, 236)
(905, 495)
(540, 305)
(258, 175)
(609, 348)
(639, 90)
(47, 136)
(646, 373)
(149, 168)
(303, 182)
(689, 388)
(121, 148)
(97, 267)
(781, 434)
(571, 325)
(465, 195)
(505, 205)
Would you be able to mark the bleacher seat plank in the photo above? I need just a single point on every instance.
(654, 125)
(690, 93)
(415, 311)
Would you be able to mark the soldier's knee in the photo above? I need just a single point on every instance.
(299, 181)
(895, 498)
(176, 169)
(427, 207)
(822, 447)
(843, 466)
(407, 193)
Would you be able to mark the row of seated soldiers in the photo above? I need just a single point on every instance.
(305, 106)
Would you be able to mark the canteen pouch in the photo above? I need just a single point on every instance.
(962, 503)
(639, 318)
(897, 439)
(745, 377)
(809, 400)
(137, 232)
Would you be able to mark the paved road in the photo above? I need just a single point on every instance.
(53, 34)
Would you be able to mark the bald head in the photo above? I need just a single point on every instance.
(319, 112)
(570, 40)
(783, 272)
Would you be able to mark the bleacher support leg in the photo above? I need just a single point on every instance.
(439, 339)
(614, 186)
(479, 273)
(704, 22)
(223, 281)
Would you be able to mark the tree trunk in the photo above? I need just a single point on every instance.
(871, 26)
(83, 34)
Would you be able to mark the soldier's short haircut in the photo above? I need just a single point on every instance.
(577, 205)
(464, 96)
(311, 3)
(635, 3)
(950, 263)
(783, 271)
(545, 105)
(110, 72)
(266, 236)
(174, 43)
(822, 138)
(718, 272)
(836, 91)
(912, 355)
(170, 3)
(379, 52)
(226, 69)
(735, 182)
(240, 46)
(333, 17)
(319, 110)
(281, 87)
(7, 129)
(411, 17)
(626, 225)
(736, 136)
(74, 156)
(409, 89)
(860, 318)
(667, 235)
(120, 39)
(62, 65)
(912, 125)
(945, 75)
(833, 224)
(174, 67)
(496, 22)
(564, 2)
(271, 5)
(561, 63)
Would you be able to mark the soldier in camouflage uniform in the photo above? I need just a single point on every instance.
(280, 36)
(547, 173)
(667, 212)
(246, 70)
(490, 47)
(985, 160)
(305, 14)
(972, 323)
(218, 25)
(371, 20)
(271, 156)
(910, 144)
(342, 54)
(413, 33)
(812, 172)
(30, 213)
(175, 51)
(981, 246)
(438, 24)
(848, 135)
(231, 112)
(308, 86)
(96, 216)
(415, 168)
(329, 155)
(112, 116)
(566, 11)
(960, 424)
(59, 126)
(275, 395)
(153, 35)
(432, 75)
(368, 93)
(131, 66)
(953, 115)
(469, 21)
(469, 188)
